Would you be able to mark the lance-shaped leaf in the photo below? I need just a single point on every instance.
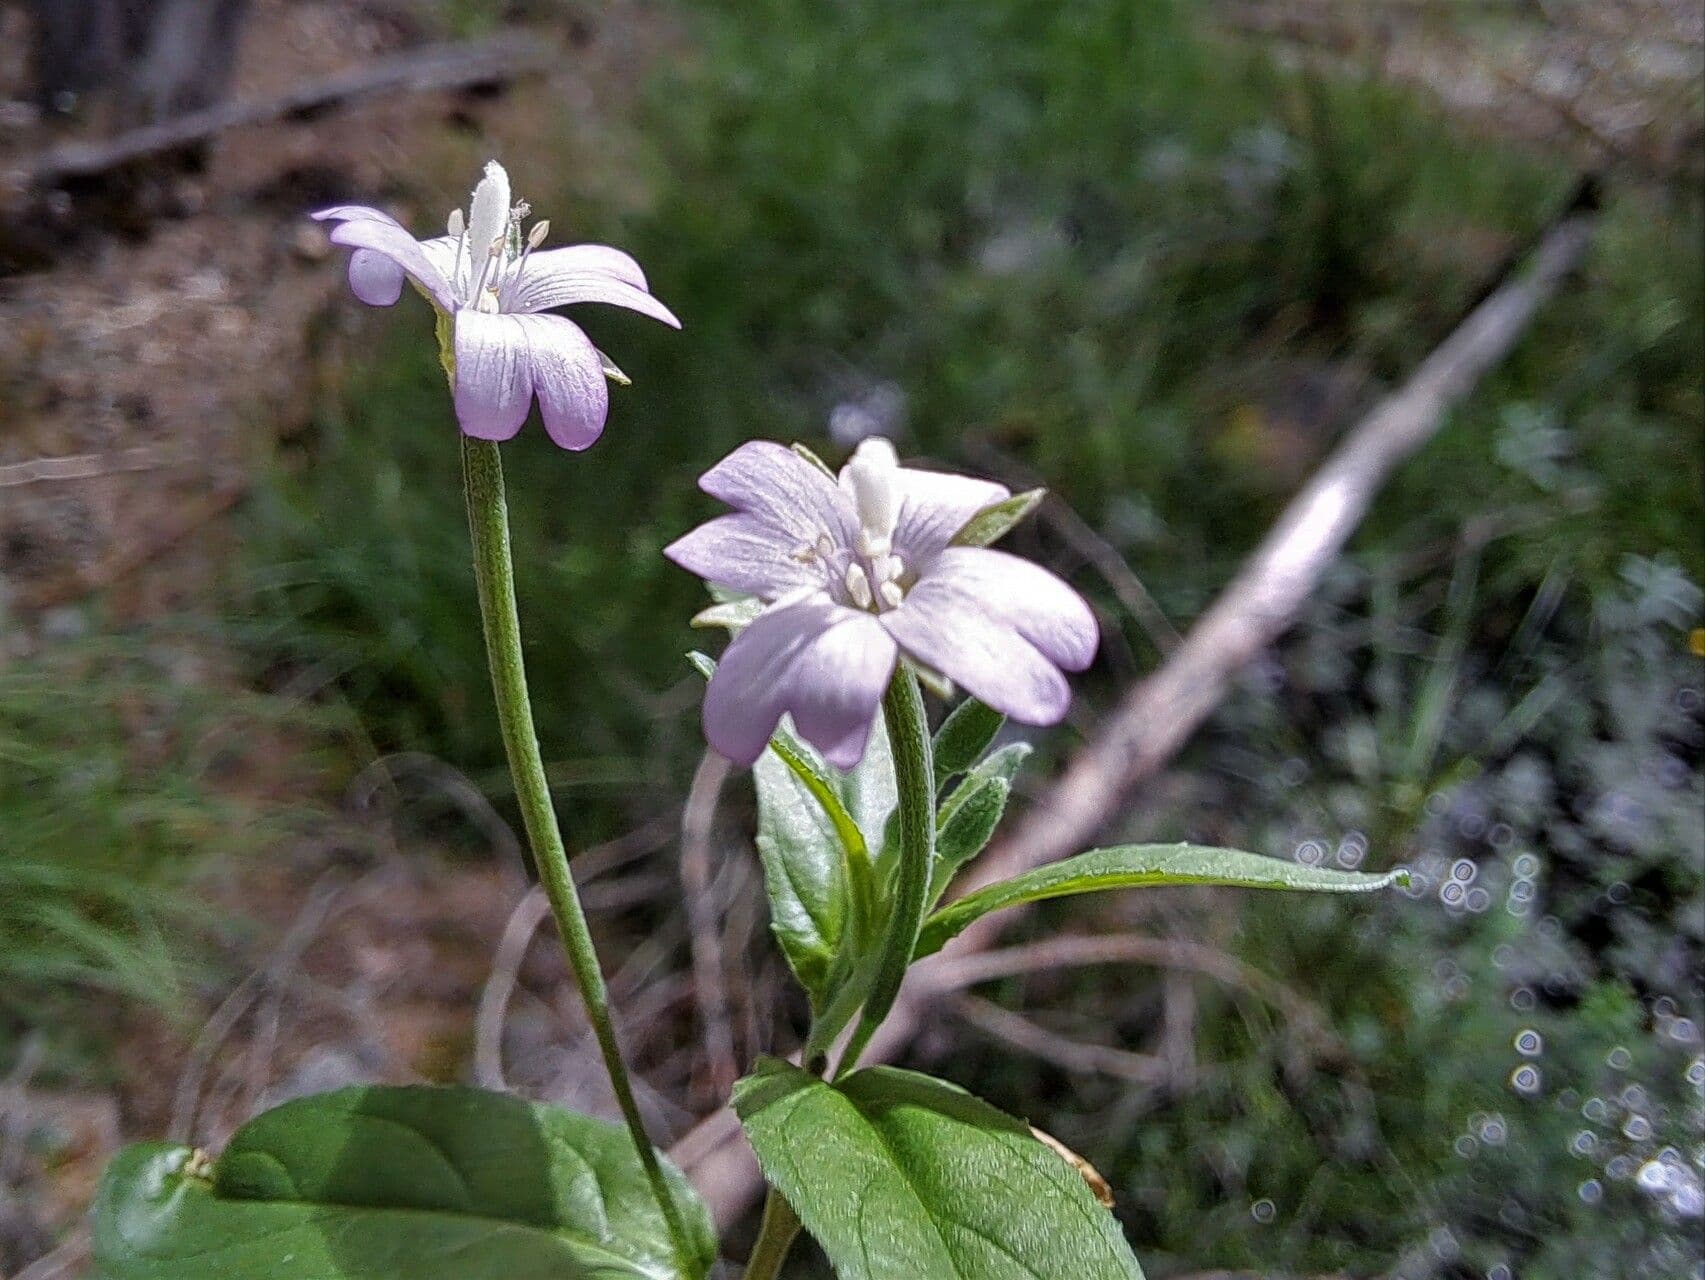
(814, 840)
(1142, 866)
(899, 1176)
(964, 736)
(396, 1184)
(966, 830)
(998, 766)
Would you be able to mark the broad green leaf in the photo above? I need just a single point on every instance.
(963, 737)
(966, 831)
(899, 1177)
(396, 1184)
(994, 522)
(1141, 866)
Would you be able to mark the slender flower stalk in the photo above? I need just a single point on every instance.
(488, 525)
(489, 287)
(914, 780)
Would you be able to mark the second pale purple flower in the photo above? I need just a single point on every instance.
(856, 571)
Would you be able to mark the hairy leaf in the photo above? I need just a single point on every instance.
(963, 737)
(966, 831)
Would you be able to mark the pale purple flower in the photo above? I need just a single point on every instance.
(494, 283)
(857, 571)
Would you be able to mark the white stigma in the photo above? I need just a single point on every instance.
(488, 214)
(873, 477)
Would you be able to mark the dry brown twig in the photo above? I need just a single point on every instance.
(1158, 714)
(710, 982)
(461, 65)
(1031, 1037)
(524, 921)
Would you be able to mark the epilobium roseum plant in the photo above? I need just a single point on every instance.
(848, 589)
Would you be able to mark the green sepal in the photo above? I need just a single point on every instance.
(994, 522)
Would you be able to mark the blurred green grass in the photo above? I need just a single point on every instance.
(126, 768)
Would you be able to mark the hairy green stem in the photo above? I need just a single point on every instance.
(775, 1237)
(488, 525)
(914, 777)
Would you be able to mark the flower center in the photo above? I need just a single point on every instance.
(867, 574)
(491, 252)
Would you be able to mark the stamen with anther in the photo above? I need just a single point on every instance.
(858, 586)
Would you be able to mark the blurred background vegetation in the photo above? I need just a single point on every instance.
(1155, 256)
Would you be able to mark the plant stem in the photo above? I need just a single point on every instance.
(775, 1237)
(914, 777)
(494, 571)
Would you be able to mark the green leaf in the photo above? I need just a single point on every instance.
(1002, 765)
(964, 736)
(814, 837)
(396, 1184)
(1141, 866)
(813, 825)
(966, 831)
(900, 1176)
(993, 523)
(804, 875)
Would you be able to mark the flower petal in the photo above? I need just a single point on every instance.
(778, 486)
(545, 263)
(353, 213)
(947, 628)
(374, 278)
(560, 285)
(744, 553)
(494, 375)
(934, 507)
(1036, 603)
(568, 376)
(401, 248)
(824, 664)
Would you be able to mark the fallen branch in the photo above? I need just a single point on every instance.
(1156, 717)
(1077, 1056)
(463, 65)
